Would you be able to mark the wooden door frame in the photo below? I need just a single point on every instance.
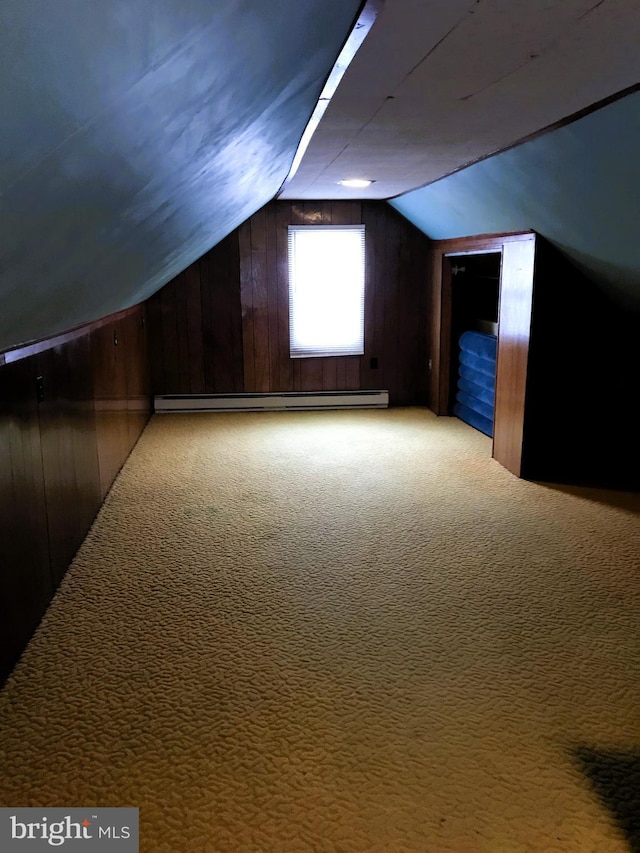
(512, 348)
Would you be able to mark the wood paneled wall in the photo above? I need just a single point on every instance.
(195, 327)
(60, 454)
(223, 325)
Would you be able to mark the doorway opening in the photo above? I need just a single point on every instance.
(475, 296)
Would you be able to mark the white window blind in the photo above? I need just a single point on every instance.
(326, 290)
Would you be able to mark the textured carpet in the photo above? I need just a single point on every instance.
(339, 632)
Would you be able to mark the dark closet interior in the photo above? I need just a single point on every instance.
(475, 293)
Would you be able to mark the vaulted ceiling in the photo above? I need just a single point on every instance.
(137, 135)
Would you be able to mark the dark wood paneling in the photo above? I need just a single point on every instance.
(414, 330)
(271, 286)
(109, 371)
(25, 577)
(244, 280)
(286, 365)
(156, 342)
(138, 381)
(246, 300)
(193, 297)
(392, 318)
(69, 448)
(230, 349)
(60, 455)
(182, 331)
(371, 378)
(207, 334)
(195, 327)
(170, 351)
(255, 303)
(435, 322)
(396, 315)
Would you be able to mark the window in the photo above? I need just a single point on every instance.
(326, 290)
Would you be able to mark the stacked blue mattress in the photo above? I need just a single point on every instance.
(476, 389)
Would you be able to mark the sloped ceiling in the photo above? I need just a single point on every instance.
(136, 135)
(578, 186)
(439, 84)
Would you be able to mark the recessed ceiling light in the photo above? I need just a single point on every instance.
(356, 183)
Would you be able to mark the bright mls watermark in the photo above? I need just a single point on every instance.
(80, 830)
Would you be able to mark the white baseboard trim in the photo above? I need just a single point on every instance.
(288, 400)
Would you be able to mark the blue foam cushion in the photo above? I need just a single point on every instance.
(480, 344)
(477, 377)
(469, 416)
(485, 409)
(479, 363)
(478, 390)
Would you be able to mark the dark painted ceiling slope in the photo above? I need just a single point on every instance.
(578, 186)
(136, 135)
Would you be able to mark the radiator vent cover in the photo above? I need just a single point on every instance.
(290, 400)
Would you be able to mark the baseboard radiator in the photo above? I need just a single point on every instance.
(288, 400)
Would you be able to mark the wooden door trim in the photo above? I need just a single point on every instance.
(441, 304)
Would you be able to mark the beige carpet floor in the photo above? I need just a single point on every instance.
(339, 632)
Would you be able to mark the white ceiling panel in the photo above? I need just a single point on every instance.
(438, 85)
